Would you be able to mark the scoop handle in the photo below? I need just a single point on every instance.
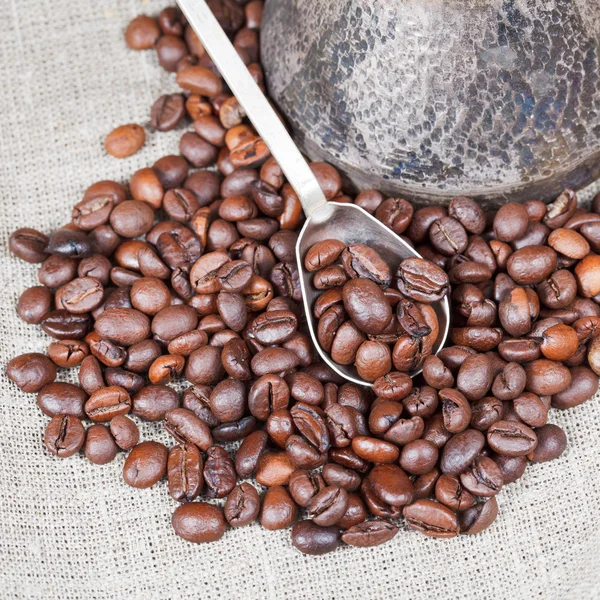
(257, 107)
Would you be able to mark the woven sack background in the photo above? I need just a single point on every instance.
(71, 530)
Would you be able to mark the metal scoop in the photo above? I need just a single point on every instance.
(345, 222)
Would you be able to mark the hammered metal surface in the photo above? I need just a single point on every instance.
(495, 99)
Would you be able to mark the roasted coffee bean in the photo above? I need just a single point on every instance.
(586, 274)
(303, 454)
(511, 438)
(342, 424)
(450, 491)
(479, 517)
(57, 270)
(536, 234)
(483, 478)
(186, 343)
(510, 382)
(124, 431)
(187, 428)
(196, 399)
(311, 423)
(561, 210)
(511, 467)
(328, 506)
(369, 200)
(168, 110)
(280, 426)
(546, 377)
(34, 303)
(431, 519)
(242, 505)
(418, 457)
(436, 374)
(583, 386)
(421, 401)
(486, 412)
(552, 442)
(228, 400)
(514, 312)
(64, 436)
(59, 398)
(460, 450)
(373, 360)
(125, 140)
(366, 305)
(329, 277)
(448, 236)
(456, 410)
(434, 430)
(219, 472)
(173, 321)
(184, 472)
(249, 453)
(421, 280)
(68, 353)
(404, 431)
(199, 522)
(305, 388)
(391, 485)
(80, 296)
(145, 465)
(510, 222)
(395, 213)
(569, 243)
(312, 539)
(123, 326)
(531, 264)
(393, 386)
(274, 468)
(475, 377)
(204, 366)
(519, 350)
(336, 475)
(369, 533)
(234, 276)
(108, 402)
(285, 278)
(273, 360)
(375, 450)
(235, 431)
(28, 245)
(468, 213)
(481, 339)
(90, 374)
(530, 409)
(100, 446)
(71, 244)
(153, 401)
(31, 371)
(360, 261)
(63, 325)
(142, 33)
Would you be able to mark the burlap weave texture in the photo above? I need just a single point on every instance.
(72, 530)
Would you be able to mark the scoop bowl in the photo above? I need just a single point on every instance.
(352, 224)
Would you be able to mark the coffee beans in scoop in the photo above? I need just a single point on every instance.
(175, 298)
(366, 321)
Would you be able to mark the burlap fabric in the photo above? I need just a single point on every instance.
(69, 529)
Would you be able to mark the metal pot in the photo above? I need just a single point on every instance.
(430, 99)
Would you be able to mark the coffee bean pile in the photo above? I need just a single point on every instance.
(356, 321)
(188, 275)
